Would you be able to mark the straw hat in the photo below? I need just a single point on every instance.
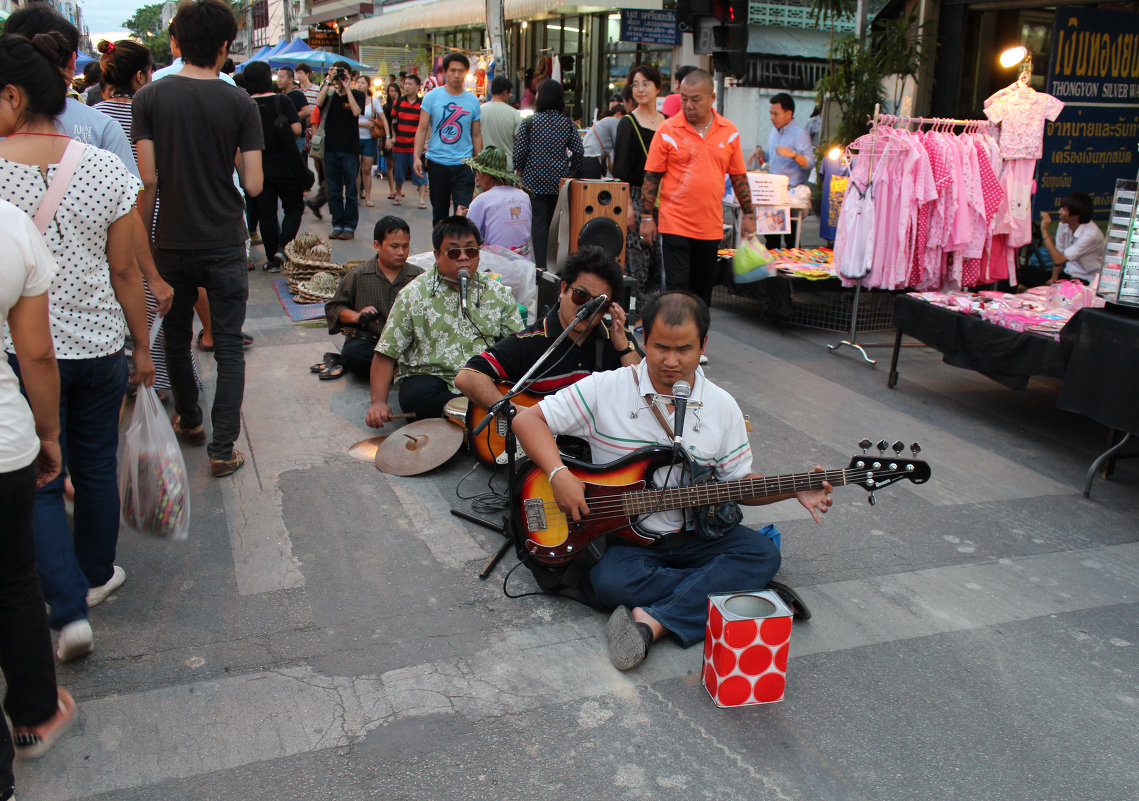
(492, 161)
(318, 289)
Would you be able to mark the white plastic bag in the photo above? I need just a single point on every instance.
(153, 490)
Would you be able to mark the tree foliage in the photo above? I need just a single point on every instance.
(146, 26)
(857, 72)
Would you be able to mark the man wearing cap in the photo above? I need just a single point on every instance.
(501, 211)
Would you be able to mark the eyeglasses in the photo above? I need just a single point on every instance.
(580, 297)
(454, 253)
(642, 84)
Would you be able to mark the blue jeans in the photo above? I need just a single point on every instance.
(223, 274)
(340, 170)
(70, 563)
(673, 584)
(402, 171)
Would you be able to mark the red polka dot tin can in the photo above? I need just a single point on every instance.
(745, 648)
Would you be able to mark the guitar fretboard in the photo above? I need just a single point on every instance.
(643, 502)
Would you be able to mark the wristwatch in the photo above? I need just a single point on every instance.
(627, 350)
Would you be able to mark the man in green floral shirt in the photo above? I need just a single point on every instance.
(428, 338)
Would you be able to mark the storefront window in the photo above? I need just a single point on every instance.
(623, 56)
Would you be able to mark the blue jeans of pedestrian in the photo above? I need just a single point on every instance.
(26, 659)
(340, 170)
(223, 274)
(673, 584)
(70, 562)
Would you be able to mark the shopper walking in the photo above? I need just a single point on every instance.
(84, 205)
(547, 149)
(200, 237)
(29, 457)
(392, 93)
(281, 185)
(405, 113)
(450, 132)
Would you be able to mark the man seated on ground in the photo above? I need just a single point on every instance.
(661, 589)
(1078, 249)
(590, 346)
(429, 337)
(501, 211)
(364, 299)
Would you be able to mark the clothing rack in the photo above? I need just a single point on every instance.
(875, 121)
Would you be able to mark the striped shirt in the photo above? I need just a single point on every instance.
(406, 119)
(608, 411)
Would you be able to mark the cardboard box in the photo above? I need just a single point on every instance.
(745, 648)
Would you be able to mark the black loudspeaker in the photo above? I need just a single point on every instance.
(597, 216)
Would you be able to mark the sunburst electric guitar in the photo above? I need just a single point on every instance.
(620, 493)
(489, 446)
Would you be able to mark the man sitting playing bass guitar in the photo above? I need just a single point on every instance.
(664, 588)
(586, 274)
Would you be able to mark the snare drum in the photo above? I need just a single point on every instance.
(456, 412)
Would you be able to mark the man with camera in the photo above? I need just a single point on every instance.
(340, 107)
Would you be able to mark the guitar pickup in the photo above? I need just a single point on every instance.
(500, 425)
(535, 512)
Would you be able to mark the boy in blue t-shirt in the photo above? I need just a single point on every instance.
(449, 131)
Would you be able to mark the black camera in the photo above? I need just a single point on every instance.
(338, 74)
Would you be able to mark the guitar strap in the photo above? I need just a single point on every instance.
(657, 413)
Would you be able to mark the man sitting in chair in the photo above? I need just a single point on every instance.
(432, 330)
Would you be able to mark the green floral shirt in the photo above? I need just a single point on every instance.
(427, 335)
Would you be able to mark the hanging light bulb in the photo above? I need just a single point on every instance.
(835, 153)
(1013, 56)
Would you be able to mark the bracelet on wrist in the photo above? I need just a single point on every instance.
(554, 472)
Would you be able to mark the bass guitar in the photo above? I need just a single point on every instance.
(621, 492)
(489, 446)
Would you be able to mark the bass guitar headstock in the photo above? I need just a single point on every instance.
(875, 472)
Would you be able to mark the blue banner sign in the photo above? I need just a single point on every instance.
(649, 27)
(1094, 69)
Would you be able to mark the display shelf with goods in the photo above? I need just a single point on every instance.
(1119, 276)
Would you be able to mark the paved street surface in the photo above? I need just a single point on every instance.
(322, 633)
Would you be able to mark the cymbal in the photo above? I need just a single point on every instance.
(365, 449)
(419, 447)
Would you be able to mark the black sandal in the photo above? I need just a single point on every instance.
(325, 360)
(332, 371)
(792, 599)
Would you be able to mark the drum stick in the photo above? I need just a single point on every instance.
(404, 416)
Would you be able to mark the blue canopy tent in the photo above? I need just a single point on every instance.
(259, 53)
(82, 59)
(264, 54)
(322, 59)
(295, 47)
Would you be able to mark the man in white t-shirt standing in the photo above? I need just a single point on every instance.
(499, 120)
(1079, 247)
(662, 589)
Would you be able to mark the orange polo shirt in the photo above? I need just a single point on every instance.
(692, 189)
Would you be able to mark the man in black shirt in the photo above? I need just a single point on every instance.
(289, 89)
(340, 108)
(589, 348)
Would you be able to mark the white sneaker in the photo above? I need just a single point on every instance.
(75, 640)
(96, 595)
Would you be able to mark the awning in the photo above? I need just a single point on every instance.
(328, 11)
(797, 42)
(457, 13)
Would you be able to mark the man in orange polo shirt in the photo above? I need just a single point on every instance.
(687, 162)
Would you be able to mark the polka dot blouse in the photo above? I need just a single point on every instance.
(547, 148)
(86, 319)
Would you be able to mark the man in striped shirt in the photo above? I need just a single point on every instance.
(661, 589)
(406, 111)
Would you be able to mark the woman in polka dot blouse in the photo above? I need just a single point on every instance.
(547, 148)
(95, 297)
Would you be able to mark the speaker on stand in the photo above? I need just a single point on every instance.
(597, 216)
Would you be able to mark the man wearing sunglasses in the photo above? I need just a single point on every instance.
(590, 346)
(428, 337)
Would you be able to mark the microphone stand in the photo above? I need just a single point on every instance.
(507, 410)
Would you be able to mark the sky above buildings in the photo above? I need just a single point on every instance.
(108, 15)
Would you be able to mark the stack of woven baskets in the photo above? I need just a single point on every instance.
(307, 256)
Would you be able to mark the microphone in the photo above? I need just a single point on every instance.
(464, 279)
(681, 390)
(590, 309)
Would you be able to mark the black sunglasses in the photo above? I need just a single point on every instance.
(454, 253)
(580, 297)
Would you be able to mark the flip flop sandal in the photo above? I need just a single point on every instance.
(332, 371)
(246, 340)
(201, 347)
(422, 205)
(369, 204)
(396, 201)
(326, 360)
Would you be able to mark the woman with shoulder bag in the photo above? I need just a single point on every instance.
(631, 145)
(373, 133)
(81, 200)
(392, 93)
(547, 149)
(282, 183)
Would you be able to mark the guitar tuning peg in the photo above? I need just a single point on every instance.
(915, 449)
(865, 445)
(882, 445)
(898, 447)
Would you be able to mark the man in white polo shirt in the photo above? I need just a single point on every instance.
(661, 589)
(1079, 247)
